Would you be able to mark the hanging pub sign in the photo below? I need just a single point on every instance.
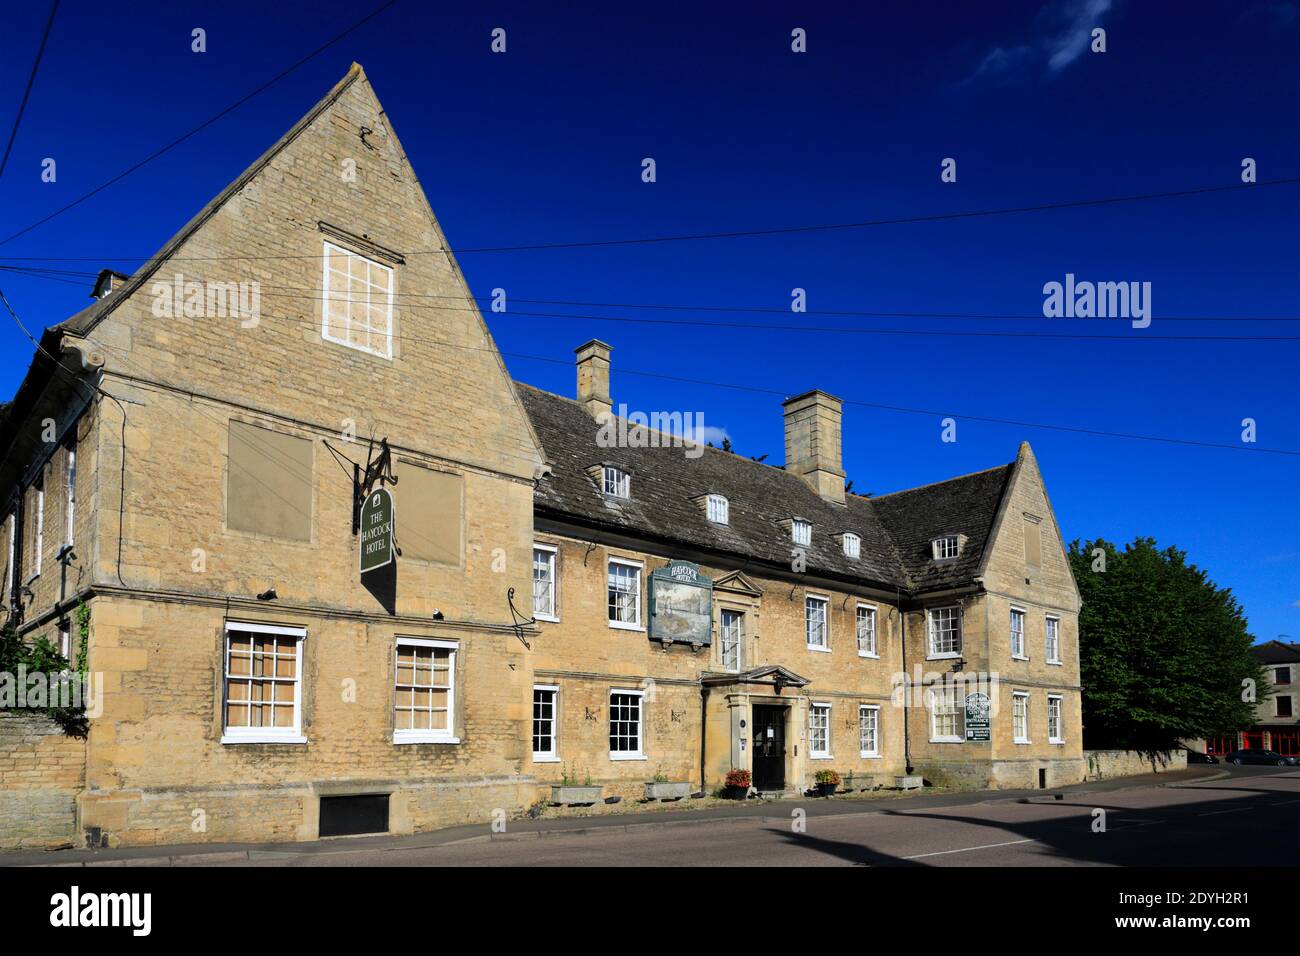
(378, 520)
(977, 717)
(681, 604)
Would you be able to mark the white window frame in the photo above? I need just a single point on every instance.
(38, 533)
(874, 618)
(943, 545)
(1019, 700)
(1018, 652)
(801, 532)
(946, 692)
(869, 752)
(325, 302)
(813, 753)
(553, 562)
(70, 475)
(1052, 629)
(825, 602)
(639, 568)
(446, 735)
(718, 509)
(852, 545)
(739, 635)
(639, 754)
(1059, 736)
(263, 735)
(542, 756)
(615, 482)
(931, 653)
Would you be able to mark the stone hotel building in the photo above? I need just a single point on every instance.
(180, 459)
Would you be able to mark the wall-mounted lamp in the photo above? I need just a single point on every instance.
(437, 614)
(268, 595)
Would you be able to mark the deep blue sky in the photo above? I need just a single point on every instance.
(544, 144)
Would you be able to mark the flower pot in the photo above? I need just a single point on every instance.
(576, 796)
(826, 789)
(667, 791)
(735, 793)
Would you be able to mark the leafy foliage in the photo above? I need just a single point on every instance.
(1164, 652)
(42, 657)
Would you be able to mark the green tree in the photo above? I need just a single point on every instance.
(1164, 652)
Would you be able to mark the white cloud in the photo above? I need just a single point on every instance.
(707, 433)
(1063, 32)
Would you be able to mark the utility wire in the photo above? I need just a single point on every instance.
(202, 126)
(699, 236)
(874, 405)
(1136, 335)
(52, 274)
(31, 81)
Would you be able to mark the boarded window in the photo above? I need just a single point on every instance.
(269, 483)
(1033, 542)
(430, 514)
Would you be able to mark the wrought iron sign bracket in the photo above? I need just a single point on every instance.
(378, 468)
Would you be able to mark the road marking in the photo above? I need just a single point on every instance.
(968, 849)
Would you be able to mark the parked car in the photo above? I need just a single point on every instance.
(1195, 756)
(1261, 756)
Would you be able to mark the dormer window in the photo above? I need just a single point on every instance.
(615, 482)
(801, 531)
(718, 509)
(947, 546)
(852, 544)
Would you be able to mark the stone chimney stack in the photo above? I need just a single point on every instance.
(812, 442)
(593, 377)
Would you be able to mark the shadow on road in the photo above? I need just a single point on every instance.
(1261, 828)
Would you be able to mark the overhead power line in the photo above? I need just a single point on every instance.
(698, 236)
(31, 81)
(202, 126)
(880, 406)
(1136, 335)
(52, 274)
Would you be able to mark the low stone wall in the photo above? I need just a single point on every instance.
(1103, 764)
(42, 771)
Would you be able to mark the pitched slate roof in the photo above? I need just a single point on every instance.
(913, 519)
(762, 498)
(1277, 652)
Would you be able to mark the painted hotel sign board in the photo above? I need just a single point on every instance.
(681, 604)
(378, 519)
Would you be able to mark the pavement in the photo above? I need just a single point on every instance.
(1192, 817)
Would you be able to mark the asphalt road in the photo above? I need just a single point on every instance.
(1249, 818)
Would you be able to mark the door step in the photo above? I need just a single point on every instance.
(777, 794)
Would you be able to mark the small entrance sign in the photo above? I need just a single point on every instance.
(378, 519)
(977, 717)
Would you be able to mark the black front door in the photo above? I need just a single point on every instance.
(769, 747)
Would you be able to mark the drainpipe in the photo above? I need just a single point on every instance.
(907, 684)
(15, 556)
(704, 730)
